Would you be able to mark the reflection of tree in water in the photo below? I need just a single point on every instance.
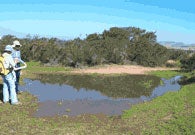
(124, 86)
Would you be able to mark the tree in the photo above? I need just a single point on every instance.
(116, 45)
(188, 63)
(6, 40)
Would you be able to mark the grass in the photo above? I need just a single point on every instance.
(167, 74)
(36, 66)
(172, 113)
(147, 84)
(33, 68)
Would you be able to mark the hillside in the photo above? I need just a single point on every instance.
(177, 45)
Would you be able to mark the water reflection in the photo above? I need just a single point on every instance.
(122, 86)
(79, 94)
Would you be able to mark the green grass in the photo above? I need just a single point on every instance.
(33, 68)
(147, 84)
(165, 74)
(37, 67)
(17, 120)
(172, 113)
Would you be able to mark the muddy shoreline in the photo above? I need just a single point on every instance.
(120, 69)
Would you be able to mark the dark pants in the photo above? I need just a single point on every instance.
(17, 78)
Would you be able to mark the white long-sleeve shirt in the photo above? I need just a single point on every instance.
(9, 61)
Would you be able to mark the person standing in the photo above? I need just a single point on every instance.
(9, 91)
(17, 58)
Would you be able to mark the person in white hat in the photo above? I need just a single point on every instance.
(16, 54)
(9, 91)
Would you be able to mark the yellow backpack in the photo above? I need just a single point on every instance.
(3, 70)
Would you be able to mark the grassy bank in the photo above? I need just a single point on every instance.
(172, 113)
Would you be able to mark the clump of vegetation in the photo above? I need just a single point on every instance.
(147, 84)
(188, 63)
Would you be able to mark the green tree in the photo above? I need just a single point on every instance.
(188, 63)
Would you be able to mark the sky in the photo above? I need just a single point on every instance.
(172, 20)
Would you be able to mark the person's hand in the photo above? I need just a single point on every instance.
(16, 60)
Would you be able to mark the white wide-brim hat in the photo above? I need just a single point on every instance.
(16, 42)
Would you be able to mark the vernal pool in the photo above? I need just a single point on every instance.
(92, 94)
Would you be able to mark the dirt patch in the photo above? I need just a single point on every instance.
(120, 69)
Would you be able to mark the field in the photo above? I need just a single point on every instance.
(172, 113)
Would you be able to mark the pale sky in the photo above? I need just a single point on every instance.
(172, 20)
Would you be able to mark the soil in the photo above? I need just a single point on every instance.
(120, 69)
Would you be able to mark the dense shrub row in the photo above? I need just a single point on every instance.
(116, 45)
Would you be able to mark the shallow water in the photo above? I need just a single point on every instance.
(84, 94)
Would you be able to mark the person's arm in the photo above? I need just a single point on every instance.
(21, 61)
(22, 67)
(17, 59)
